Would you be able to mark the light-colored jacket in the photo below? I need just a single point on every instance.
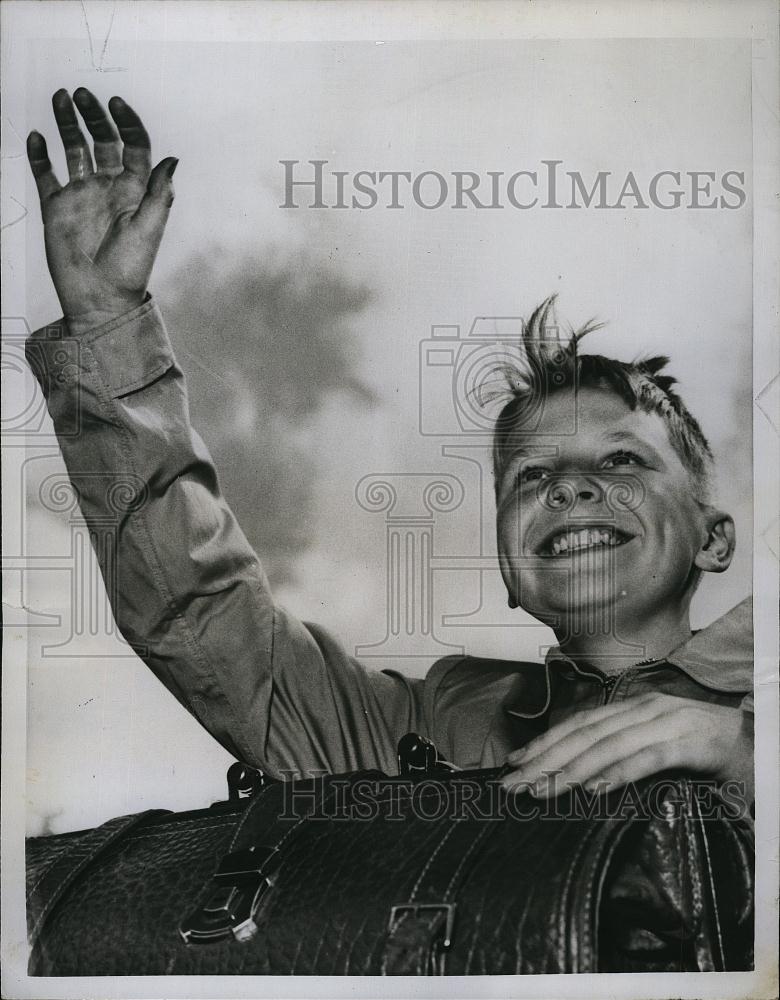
(189, 593)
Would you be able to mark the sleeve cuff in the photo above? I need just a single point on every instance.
(130, 351)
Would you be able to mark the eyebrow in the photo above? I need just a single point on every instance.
(619, 436)
(524, 451)
(530, 451)
(630, 438)
(623, 436)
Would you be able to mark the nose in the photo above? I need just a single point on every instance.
(586, 493)
(573, 490)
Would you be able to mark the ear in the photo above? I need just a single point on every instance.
(506, 574)
(718, 549)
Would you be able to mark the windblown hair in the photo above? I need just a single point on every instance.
(548, 362)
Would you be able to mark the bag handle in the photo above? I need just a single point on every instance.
(65, 868)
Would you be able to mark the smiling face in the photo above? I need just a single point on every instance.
(606, 517)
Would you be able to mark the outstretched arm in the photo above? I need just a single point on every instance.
(186, 588)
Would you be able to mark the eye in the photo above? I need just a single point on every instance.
(621, 458)
(533, 474)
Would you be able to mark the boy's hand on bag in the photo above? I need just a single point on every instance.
(626, 741)
(104, 227)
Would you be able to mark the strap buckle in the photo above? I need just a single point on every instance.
(416, 908)
(242, 879)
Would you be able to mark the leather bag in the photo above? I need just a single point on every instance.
(426, 873)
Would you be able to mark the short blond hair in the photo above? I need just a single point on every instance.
(547, 363)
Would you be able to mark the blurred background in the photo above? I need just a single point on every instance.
(300, 332)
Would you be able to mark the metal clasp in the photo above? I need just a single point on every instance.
(243, 781)
(418, 757)
(242, 879)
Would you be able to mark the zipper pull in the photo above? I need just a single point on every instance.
(609, 686)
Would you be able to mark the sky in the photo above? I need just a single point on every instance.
(300, 331)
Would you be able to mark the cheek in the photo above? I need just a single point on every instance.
(509, 538)
(510, 526)
(675, 524)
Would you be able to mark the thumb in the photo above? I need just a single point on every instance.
(152, 213)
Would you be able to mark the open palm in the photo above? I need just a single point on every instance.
(104, 227)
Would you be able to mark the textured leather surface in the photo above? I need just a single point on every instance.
(530, 895)
(51, 873)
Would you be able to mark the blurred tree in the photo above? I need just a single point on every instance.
(265, 343)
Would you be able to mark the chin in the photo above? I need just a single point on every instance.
(575, 592)
(562, 605)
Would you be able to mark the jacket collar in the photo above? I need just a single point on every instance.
(719, 657)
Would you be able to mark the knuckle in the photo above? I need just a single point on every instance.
(657, 758)
(693, 715)
(610, 778)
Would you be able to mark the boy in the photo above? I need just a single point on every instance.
(628, 691)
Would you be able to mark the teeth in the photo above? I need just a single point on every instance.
(585, 538)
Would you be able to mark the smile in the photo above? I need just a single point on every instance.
(573, 540)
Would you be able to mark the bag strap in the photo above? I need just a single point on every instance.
(65, 867)
(420, 930)
(230, 903)
(709, 945)
(726, 932)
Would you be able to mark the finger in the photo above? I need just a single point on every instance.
(517, 785)
(584, 750)
(515, 782)
(107, 147)
(137, 151)
(77, 154)
(643, 763)
(40, 164)
(152, 214)
(576, 722)
(625, 756)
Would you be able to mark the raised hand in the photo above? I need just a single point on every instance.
(103, 228)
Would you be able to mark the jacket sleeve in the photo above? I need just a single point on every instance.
(187, 590)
